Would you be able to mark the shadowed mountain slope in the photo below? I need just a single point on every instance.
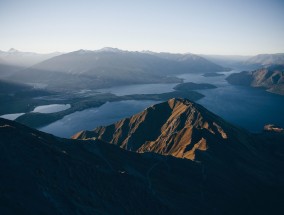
(183, 129)
(7, 71)
(44, 174)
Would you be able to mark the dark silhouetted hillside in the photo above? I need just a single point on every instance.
(233, 172)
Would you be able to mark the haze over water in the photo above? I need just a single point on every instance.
(245, 107)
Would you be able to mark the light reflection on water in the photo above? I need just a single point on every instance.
(140, 89)
(52, 108)
(12, 116)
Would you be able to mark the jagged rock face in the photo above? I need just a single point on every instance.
(178, 127)
(270, 77)
(273, 128)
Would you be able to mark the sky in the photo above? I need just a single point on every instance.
(225, 27)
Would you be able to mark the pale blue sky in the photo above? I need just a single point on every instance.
(244, 27)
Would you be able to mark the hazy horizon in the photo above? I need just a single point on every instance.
(222, 27)
(61, 52)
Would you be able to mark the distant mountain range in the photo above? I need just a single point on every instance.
(14, 57)
(270, 77)
(226, 170)
(266, 59)
(84, 61)
(246, 62)
(27, 59)
(194, 63)
(230, 61)
(109, 67)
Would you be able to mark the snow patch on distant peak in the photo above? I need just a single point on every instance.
(109, 49)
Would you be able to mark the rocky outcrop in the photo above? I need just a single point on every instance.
(273, 128)
(271, 78)
(178, 127)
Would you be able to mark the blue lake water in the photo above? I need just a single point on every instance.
(245, 107)
(140, 89)
(88, 119)
(52, 108)
(12, 116)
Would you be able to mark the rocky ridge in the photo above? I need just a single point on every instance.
(178, 127)
(232, 172)
(271, 78)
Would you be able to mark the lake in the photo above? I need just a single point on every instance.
(88, 119)
(140, 89)
(52, 108)
(12, 116)
(245, 107)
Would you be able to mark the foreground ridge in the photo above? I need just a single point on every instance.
(178, 127)
(233, 173)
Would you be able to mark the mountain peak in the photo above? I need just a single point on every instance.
(109, 49)
(178, 101)
(177, 127)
